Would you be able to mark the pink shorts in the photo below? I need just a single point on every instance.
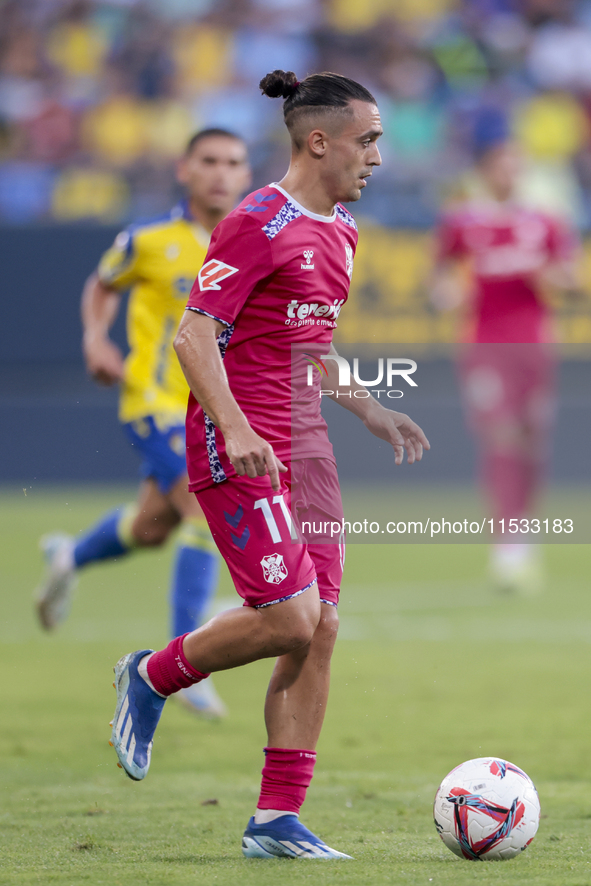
(256, 535)
(513, 383)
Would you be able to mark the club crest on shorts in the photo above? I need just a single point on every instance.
(274, 568)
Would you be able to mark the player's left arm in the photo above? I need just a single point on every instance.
(395, 427)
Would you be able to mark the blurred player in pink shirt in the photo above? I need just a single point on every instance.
(515, 256)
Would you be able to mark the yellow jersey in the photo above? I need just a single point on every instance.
(158, 261)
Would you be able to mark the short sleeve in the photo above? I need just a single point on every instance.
(449, 242)
(238, 259)
(562, 241)
(118, 265)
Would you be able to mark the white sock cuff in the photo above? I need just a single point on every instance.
(142, 670)
(264, 816)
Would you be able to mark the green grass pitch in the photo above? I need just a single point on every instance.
(431, 669)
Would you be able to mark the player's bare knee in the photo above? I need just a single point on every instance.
(301, 631)
(328, 624)
(327, 628)
(294, 627)
(149, 534)
(295, 633)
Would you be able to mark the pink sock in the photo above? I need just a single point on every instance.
(287, 775)
(170, 671)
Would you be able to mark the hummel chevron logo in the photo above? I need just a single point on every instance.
(235, 520)
(212, 273)
(242, 540)
(260, 199)
(239, 540)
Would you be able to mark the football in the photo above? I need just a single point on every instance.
(487, 810)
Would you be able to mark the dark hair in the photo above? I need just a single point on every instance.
(208, 133)
(325, 91)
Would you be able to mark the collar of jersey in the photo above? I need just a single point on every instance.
(302, 209)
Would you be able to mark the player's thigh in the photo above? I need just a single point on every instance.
(252, 527)
(184, 502)
(156, 517)
(508, 393)
(297, 617)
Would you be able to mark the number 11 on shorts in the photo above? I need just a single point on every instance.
(265, 505)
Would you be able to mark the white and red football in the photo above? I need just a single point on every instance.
(487, 809)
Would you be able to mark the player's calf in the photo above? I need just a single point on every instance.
(275, 830)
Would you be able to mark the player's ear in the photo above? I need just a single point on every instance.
(317, 143)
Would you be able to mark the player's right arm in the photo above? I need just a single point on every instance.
(239, 257)
(101, 299)
(100, 306)
(199, 355)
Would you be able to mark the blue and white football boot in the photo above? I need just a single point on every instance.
(285, 837)
(136, 716)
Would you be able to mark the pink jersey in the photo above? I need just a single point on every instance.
(507, 245)
(276, 275)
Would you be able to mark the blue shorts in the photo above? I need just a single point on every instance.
(162, 451)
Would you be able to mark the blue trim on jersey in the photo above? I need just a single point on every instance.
(346, 216)
(215, 466)
(180, 210)
(286, 214)
(172, 215)
(207, 314)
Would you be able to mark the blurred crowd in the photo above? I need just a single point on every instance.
(98, 97)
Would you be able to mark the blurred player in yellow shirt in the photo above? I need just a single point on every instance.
(158, 261)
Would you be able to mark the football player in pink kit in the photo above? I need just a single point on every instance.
(276, 275)
(508, 377)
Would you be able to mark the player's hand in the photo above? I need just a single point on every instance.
(104, 360)
(400, 431)
(253, 456)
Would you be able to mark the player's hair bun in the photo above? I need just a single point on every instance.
(279, 83)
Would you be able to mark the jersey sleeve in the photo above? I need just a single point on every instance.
(238, 259)
(449, 242)
(118, 267)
